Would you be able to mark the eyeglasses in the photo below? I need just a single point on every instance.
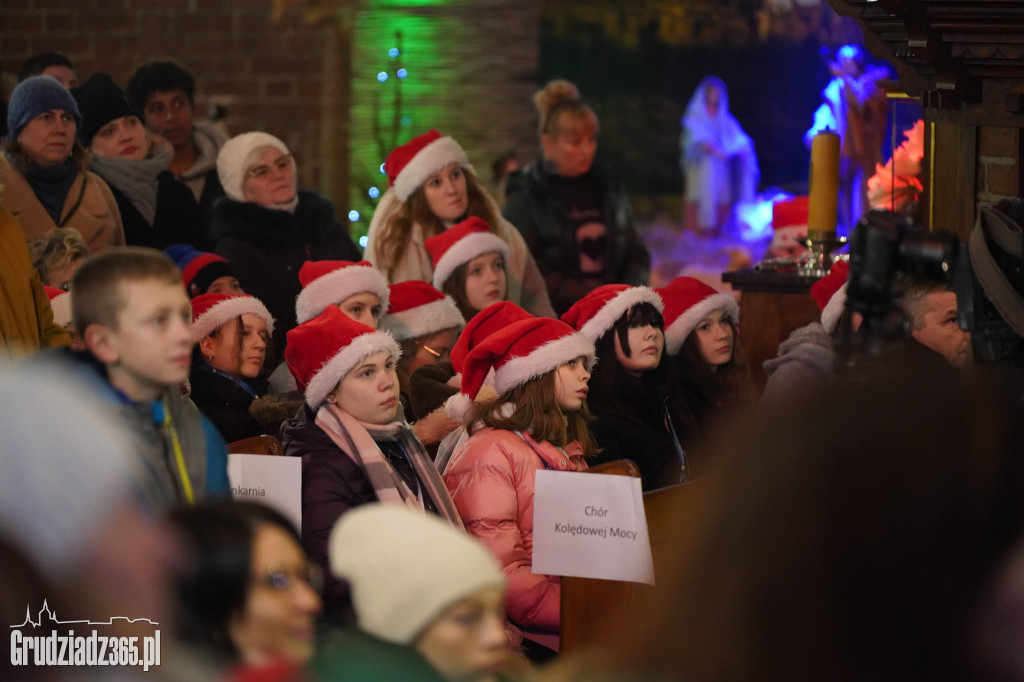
(440, 355)
(282, 164)
(283, 581)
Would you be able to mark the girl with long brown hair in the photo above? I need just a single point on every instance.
(538, 421)
(433, 187)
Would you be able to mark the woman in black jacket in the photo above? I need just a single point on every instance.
(267, 228)
(576, 219)
(231, 332)
(156, 210)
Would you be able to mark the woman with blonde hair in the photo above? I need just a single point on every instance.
(433, 187)
(574, 216)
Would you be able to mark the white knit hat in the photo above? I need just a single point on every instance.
(231, 159)
(405, 568)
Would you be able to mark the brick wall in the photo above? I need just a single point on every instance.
(471, 63)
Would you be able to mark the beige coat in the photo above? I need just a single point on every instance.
(96, 217)
(526, 286)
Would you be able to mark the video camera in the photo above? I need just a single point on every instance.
(987, 274)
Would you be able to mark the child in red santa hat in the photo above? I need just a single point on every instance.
(538, 421)
(231, 333)
(469, 265)
(433, 187)
(638, 415)
(701, 334)
(354, 447)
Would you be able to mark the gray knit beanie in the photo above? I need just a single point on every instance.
(34, 96)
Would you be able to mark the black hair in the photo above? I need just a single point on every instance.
(687, 396)
(38, 63)
(160, 77)
(640, 315)
(213, 585)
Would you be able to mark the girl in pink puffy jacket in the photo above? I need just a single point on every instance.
(539, 421)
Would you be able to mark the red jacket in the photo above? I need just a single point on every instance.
(491, 480)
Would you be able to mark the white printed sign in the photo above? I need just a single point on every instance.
(590, 526)
(268, 479)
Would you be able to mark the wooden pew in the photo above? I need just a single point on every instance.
(590, 607)
(257, 445)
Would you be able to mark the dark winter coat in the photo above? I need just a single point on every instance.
(212, 190)
(332, 484)
(631, 425)
(534, 209)
(267, 247)
(225, 403)
(178, 220)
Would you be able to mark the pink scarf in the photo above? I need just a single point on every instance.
(357, 440)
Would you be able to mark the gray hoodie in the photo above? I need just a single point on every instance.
(209, 139)
(806, 362)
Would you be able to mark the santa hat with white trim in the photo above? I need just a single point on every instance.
(418, 309)
(409, 165)
(210, 311)
(687, 302)
(60, 301)
(523, 351)
(597, 312)
(490, 320)
(460, 244)
(322, 351)
(829, 293)
(329, 282)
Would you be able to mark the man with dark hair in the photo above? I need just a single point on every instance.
(932, 309)
(54, 64)
(165, 94)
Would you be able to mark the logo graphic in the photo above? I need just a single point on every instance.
(62, 647)
(53, 619)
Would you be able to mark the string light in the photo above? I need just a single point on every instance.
(402, 73)
(363, 241)
(382, 76)
(374, 192)
(393, 52)
(353, 216)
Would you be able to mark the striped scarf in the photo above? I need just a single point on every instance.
(358, 440)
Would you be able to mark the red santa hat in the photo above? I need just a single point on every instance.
(491, 319)
(329, 282)
(460, 244)
(322, 351)
(418, 309)
(597, 312)
(829, 293)
(60, 301)
(210, 311)
(789, 222)
(524, 350)
(687, 302)
(409, 165)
